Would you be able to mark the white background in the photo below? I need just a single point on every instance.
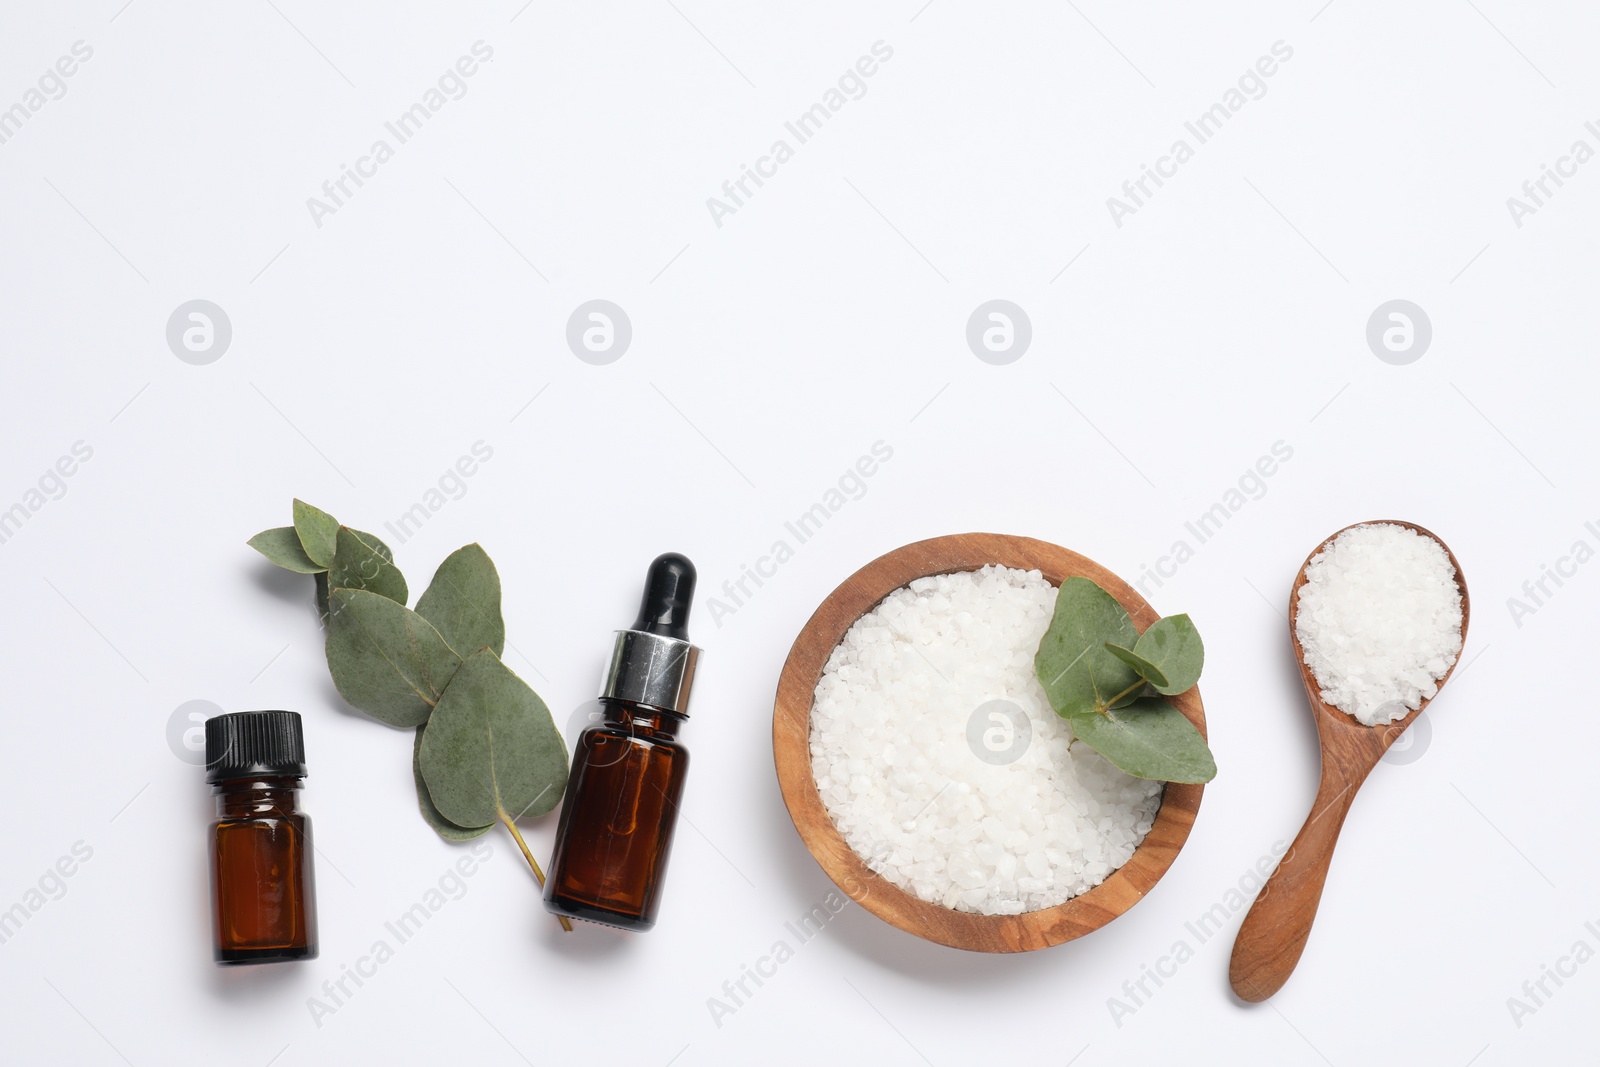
(828, 313)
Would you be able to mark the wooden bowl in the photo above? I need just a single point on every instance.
(791, 745)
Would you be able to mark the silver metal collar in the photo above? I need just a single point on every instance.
(652, 670)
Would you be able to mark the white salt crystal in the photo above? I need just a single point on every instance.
(1379, 620)
(892, 762)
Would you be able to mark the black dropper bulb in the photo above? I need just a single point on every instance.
(668, 593)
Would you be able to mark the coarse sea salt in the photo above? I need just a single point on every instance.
(1379, 620)
(918, 801)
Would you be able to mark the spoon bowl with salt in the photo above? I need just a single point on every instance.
(1379, 594)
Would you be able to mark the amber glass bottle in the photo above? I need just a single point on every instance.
(627, 777)
(263, 896)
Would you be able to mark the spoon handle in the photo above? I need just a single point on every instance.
(1274, 932)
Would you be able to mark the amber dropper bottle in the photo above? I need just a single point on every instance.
(627, 777)
(263, 898)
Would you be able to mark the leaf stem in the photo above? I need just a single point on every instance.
(1107, 704)
(566, 924)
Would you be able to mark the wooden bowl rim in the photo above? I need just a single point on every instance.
(791, 728)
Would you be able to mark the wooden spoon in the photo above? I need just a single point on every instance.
(1274, 932)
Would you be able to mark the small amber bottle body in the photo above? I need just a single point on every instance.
(618, 818)
(263, 896)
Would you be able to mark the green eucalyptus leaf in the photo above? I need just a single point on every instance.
(372, 542)
(463, 602)
(318, 532)
(359, 564)
(1078, 672)
(322, 597)
(1173, 646)
(282, 547)
(441, 825)
(1147, 670)
(386, 659)
(1149, 739)
(491, 750)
